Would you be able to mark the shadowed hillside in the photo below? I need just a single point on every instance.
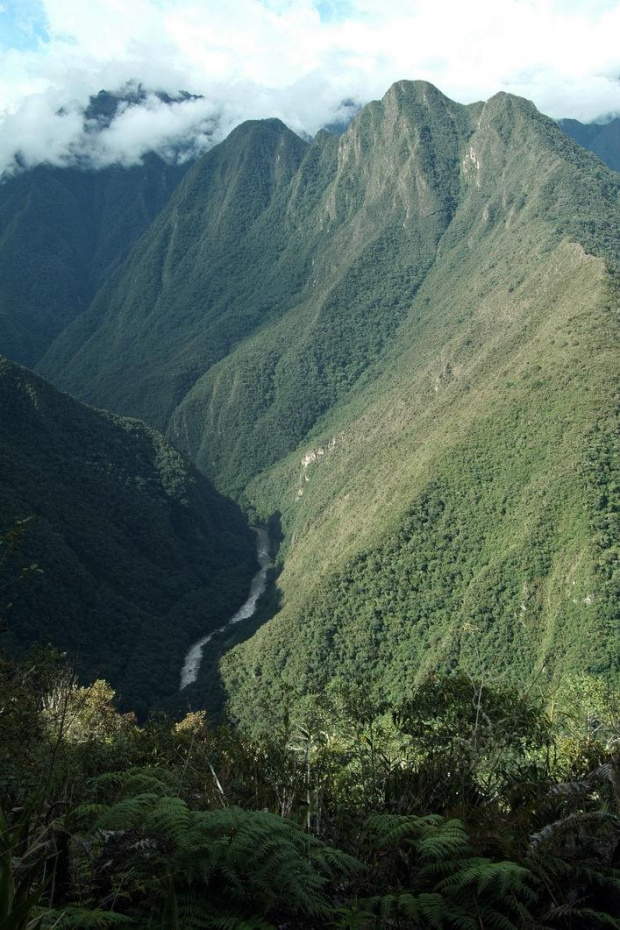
(138, 553)
(601, 138)
(62, 233)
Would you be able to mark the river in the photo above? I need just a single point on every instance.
(193, 658)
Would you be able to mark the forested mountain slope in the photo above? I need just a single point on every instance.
(204, 277)
(62, 232)
(601, 138)
(462, 511)
(462, 508)
(403, 341)
(139, 554)
(319, 248)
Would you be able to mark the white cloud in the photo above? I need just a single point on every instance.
(151, 126)
(296, 59)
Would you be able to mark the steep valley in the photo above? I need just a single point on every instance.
(401, 346)
(137, 554)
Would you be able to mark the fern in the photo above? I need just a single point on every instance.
(580, 917)
(447, 884)
(82, 919)
(138, 780)
(351, 917)
(223, 868)
(576, 858)
(128, 814)
(484, 876)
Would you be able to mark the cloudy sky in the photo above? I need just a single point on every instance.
(296, 59)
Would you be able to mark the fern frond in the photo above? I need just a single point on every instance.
(506, 878)
(494, 920)
(127, 814)
(392, 829)
(83, 919)
(584, 916)
(171, 818)
(136, 781)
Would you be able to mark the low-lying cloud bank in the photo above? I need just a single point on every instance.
(42, 132)
(294, 59)
(178, 128)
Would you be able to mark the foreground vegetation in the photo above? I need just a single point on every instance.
(465, 806)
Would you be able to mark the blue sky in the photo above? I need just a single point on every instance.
(23, 24)
(295, 59)
(333, 10)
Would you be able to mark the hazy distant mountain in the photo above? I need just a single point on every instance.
(105, 106)
(349, 110)
(62, 233)
(139, 554)
(403, 341)
(63, 230)
(601, 138)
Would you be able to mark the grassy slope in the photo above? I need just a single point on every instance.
(139, 553)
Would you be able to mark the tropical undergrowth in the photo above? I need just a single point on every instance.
(469, 805)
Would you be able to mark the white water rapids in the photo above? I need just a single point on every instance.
(191, 665)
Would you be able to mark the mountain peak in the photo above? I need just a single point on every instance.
(508, 122)
(413, 313)
(322, 136)
(266, 141)
(104, 106)
(422, 91)
(511, 104)
(260, 127)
